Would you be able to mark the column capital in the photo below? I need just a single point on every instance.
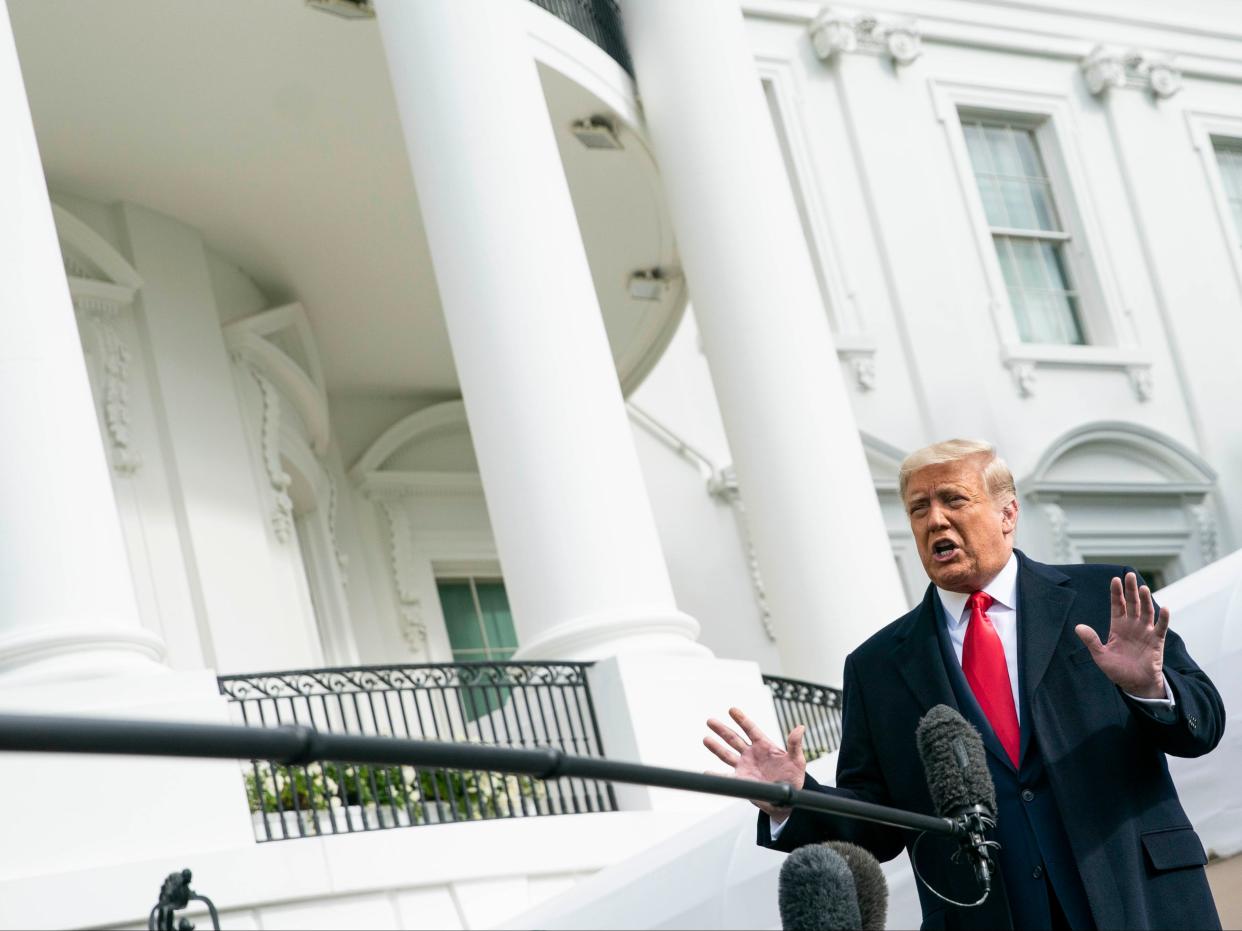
(1106, 68)
(834, 32)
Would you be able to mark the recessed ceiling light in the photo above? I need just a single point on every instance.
(596, 132)
(347, 9)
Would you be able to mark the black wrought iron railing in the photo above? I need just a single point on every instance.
(518, 705)
(598, 20)
(816, 706)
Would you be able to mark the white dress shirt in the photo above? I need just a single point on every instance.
(1004, 615)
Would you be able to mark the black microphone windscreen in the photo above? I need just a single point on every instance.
(955, 762)
(870, 886)
(816, 891)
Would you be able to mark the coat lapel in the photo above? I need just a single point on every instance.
(917, 657)
(1043, 605)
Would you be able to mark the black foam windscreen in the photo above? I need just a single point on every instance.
(870, 886)
(816, 891)
(955, 762)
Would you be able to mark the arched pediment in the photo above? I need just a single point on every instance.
(429, 451)
(90, 257)
(279, 344)
(1119, 458)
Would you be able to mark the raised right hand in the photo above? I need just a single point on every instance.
(756, 756)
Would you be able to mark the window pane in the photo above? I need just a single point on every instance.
(1008, 264)
(497, 618)
(1019, 207)
(977, 146)
(1054, 266)
(1003, 146)
(993, 206)
(1229, 159)
(1045, 212)
(1030, 264)
(1028, 155)
(461, 619)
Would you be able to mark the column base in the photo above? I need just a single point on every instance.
(74, 652)
(654, 710)
(70, 811)
(599, 636)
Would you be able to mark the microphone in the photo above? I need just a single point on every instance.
(869, 884)
(960, 785)
(816, 891)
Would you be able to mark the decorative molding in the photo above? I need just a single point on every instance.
(863, 364)
(1107, 68)
(724, 486)
(1141, 381)
(412, 625)
(1058, 523)
(833, 33)
(1205, 522)
(1024, 377)
(342, 558)
(114, 361)
(282, 515)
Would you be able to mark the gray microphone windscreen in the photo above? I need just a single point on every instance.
(955, 762)
(870, 886)
(816, 891)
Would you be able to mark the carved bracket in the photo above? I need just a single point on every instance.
(833, 33)
(1058, 523)
(282, 515)
(862, 364)
(1107, 68)
(1141, 381)
(1209, 544)
(115, 359)
(1023, 373)
(342, 559)
(412, 625)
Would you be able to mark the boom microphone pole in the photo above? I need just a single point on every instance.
(297, 746)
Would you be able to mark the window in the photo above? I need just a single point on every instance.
(1027, 231)
(1157, 573)
(476, 613)
(1229, 158)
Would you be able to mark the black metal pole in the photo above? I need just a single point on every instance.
(297, 746)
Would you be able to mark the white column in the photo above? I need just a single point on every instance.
(818, 532)
(67, 606)
(582, 561)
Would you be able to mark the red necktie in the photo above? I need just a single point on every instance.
(983, 661)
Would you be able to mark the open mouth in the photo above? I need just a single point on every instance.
(944, 550)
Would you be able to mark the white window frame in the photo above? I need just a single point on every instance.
(1205, 129)
(1112, 340)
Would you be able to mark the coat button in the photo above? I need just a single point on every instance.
(1037, 873)
(1028, 795)
(1192, 722)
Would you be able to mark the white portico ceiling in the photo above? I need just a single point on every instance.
(272, 129)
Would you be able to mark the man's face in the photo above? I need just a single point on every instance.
(964, 535)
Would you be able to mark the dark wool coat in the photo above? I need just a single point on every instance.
(1092, 789)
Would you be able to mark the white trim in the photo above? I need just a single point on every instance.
(777, 72)
(1203, 126)
(428, 421)
(1194, 472)
(80, 238)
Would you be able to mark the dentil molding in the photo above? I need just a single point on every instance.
(834, 32)
(1107, 68)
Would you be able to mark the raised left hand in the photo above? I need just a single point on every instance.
(1133, 657)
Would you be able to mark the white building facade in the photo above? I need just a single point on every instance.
(354, 349)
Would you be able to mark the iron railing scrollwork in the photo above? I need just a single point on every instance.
(816, 706)
(598, 20)
(503, 704)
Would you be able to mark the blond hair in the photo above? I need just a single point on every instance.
(996, 475)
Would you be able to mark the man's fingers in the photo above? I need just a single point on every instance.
(1132, 596)
(1147, 607)
(723, 753)
(793, 743)
(749, 727)
(1162, 623)
(1089, 638)
(1118, 598)
(727, 734)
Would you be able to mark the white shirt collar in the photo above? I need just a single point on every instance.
(1003, 589)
